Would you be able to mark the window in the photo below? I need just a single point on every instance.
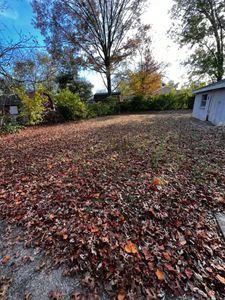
(204, 101)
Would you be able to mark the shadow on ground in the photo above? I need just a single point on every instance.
(26, 274)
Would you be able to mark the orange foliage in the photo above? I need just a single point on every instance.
(144, 83)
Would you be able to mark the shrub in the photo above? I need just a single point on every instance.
(191, 101)
(32, 109)
(98, 109)
(69, 106)
(138, 104)
(171, 101)
(10, 128)
(113, 104)
(108, 107)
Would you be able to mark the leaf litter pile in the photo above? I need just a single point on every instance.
(125, 202)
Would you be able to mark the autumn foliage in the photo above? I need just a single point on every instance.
(142, 83)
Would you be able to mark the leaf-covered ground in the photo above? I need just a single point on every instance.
(125, 202)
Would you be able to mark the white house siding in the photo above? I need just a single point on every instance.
(199, 112)
(214, 109)
(13, 110)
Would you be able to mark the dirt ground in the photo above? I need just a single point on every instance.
(27, 274)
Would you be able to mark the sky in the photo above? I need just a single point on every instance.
(19, 16)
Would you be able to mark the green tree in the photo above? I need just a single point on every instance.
(77, 86)
(200, 25)
(32, 106)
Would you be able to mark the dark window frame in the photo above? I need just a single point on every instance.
(204, 101)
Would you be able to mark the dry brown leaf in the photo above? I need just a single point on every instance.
(97, 195)
(169, 267)
(211, 293)
(56, 295)
(51, 217)
(4, 286)
(62, 232)
(221, 279)
(166, 256)
(130, 248)
(5, 259)
(188, 273)
(147, 254)
(157, 181)
(65, 236)
(27, 296)
(94, 229)
(121, 295)
(160, 274)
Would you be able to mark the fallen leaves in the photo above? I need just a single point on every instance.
(157, 181)
(63, 233)
(5, 259)
(160, 275)
(147, 254)
(167, 256)
(130, 248)
(93, 199)
(4, 286)
(188, 272)
(221, 279)
(121, 295)
(51, 217)
(56, 295)
(94, 229)
(169, 267)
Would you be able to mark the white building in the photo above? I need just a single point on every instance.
(210, 103)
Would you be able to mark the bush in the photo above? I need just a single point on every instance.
(172, 101)
(69, 106)
(108, 107)
(32, 107)
(10, 128)
(135, 104)
(191, 101)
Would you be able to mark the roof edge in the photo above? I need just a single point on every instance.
(211, 87)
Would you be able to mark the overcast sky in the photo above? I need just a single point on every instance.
(19, 15)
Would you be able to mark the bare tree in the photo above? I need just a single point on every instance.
(35, 69)
(12, 49)
(2, 5)
(101, 33)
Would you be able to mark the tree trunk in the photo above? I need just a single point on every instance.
(109, 81)
(220, 68)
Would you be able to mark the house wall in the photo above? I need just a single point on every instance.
(214, 109)
(217, 108)
(199, 112)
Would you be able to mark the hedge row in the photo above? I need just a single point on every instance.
(69, 107)
(141, 104)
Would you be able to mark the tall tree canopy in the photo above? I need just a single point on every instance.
(100, 32)
(201, 25)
